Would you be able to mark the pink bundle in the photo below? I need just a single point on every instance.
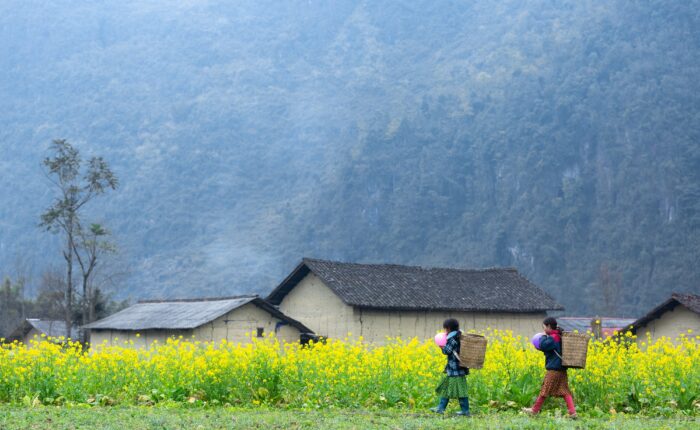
(441, 339)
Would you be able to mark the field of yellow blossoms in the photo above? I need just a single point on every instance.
(660, 378)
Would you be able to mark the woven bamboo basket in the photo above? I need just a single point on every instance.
(472, 350)
(574, 348)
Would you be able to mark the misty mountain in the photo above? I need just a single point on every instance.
(560, 138)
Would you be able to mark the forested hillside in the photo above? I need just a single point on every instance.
(562, 138)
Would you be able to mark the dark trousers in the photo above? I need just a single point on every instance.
(463, 404)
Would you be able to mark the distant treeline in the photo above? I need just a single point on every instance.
(16, 305)
(558, 137)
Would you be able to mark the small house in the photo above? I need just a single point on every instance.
(680, 314)
(32, 328)
(231, 318)
(377, 301)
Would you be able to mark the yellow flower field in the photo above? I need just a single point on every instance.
(662, 378)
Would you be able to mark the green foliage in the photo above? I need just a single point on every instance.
(13, 305)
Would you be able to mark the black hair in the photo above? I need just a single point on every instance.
(451, 324)
(551, 322)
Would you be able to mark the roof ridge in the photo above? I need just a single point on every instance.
(674, 295)
(202, 299)
(460, 269)
(689, 300)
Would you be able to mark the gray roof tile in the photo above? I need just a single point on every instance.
(51, 328)
(390, 286)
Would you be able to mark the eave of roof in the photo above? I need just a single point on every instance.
(291, 281)
(668, 305)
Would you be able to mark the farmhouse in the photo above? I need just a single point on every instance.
(35, 327)
(379, 300)
(678, 314)
(231, 318)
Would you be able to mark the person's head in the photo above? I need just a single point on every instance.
(550, 325)
(450, 325)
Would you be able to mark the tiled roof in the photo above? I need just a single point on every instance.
(182, 314)
(51, 328)
(690, 301)
(391, 286)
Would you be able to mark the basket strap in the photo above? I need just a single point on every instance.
(456, 356)
(560, 357)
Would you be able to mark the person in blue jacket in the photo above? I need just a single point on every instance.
(556, 381)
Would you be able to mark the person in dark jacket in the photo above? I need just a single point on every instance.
(556, 381)
(454, 384)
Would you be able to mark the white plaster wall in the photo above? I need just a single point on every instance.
(288, 334)
(671, 324)
(98, 337)
(316, 306)
(376, 325)
(237, 325)
(140, 339)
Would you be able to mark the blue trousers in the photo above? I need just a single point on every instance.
(463, 403)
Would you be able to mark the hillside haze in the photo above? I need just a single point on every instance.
(560, 138)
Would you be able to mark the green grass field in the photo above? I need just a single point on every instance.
(161, 418)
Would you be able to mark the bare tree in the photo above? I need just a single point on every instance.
(89, 249)
(74, 192)
(50, 299)
(106, 278)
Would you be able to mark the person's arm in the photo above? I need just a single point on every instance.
(547, 343)
(449, 346)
